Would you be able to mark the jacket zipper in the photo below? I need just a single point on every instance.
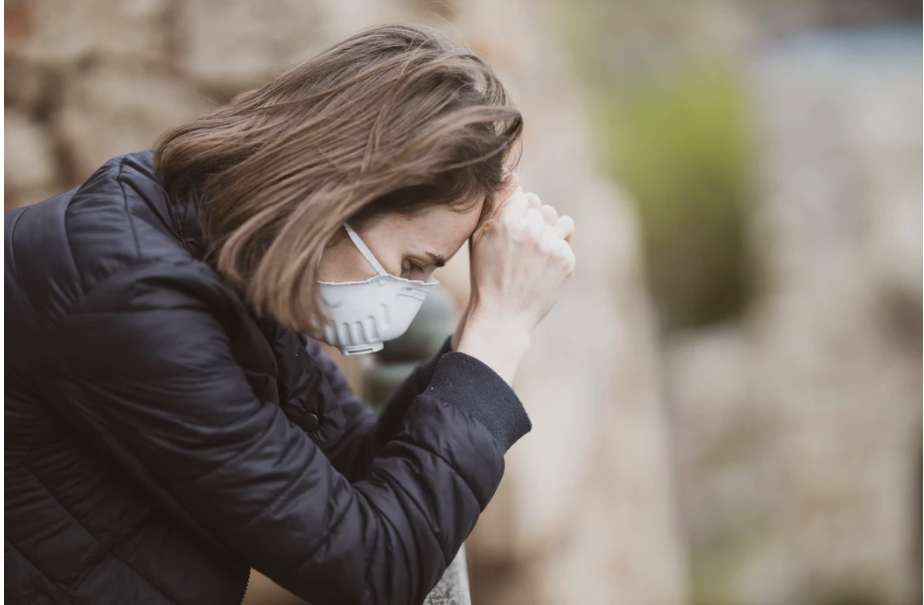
(246, 585)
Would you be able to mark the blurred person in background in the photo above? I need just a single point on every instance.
(165, 407)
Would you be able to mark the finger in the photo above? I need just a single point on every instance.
(564, 227)
(550, 214)
(534, 201)
(564, 251)
(534, 220)
(570, 259)
(548, 233)
(515, 205)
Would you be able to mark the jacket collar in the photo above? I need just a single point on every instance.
(179, 216)
(189, 232)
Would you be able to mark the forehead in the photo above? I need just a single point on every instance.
(438, 229)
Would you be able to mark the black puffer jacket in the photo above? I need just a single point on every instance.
(160, 441)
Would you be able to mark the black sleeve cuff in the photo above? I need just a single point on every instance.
(469, 383)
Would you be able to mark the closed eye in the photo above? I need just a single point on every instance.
(418, 269)
(414, 267)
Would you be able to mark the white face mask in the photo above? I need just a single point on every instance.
(363, 314)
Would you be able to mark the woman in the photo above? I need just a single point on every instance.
(168, 426)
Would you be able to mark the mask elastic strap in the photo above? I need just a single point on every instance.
(364, 250)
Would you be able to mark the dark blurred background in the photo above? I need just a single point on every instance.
(727, 399)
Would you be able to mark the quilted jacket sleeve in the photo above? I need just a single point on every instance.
(150, 352)
(366, 432)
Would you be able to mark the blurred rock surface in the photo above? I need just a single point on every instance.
(798, 428)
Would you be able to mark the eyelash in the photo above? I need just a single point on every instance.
(414, 267)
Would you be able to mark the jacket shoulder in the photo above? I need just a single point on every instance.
(61, 248)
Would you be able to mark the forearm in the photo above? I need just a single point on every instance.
(424, 492)
(500, 343)
(365, 432)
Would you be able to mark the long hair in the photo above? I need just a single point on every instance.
(394, 118)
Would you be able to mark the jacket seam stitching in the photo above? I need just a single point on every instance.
(15, 224)
(182, 506)
(383, 519)
(126, 268)
(424, 514)
(209, 472)
(107, 549)
(67, 233)
(468, 413)
(41, 572)
(367, 560)
(128, 214)
(400, 486)
(310, 559)
(327, 536)
(402, 438)
(272, 499)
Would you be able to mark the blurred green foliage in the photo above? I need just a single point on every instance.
(680, 143)
(716, 565)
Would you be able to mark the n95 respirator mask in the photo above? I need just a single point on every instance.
(361, 315)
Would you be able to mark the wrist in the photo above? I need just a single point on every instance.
(514, 326)
(497, 341)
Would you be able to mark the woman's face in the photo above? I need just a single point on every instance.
(407, 246)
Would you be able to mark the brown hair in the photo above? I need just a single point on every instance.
(394, 118)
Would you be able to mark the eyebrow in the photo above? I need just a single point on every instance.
(438, 260)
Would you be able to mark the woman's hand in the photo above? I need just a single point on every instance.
(551, 217)
(521, 257)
